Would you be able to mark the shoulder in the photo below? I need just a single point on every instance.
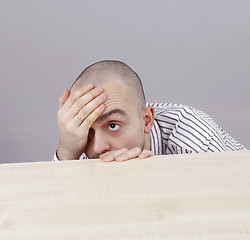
(171, 110)
(190, 127)
(182, 113)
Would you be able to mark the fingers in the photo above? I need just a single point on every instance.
(125, 154)
(110, 156)
(85, 104)
(77, 94)
(146, 154)
(82, 104)
(132, 153)
(78, 111)
(93, 95)
(90, 119)
(64, 97)
(91, 110)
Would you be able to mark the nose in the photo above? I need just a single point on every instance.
(100, 143)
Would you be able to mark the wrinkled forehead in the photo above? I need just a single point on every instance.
(118, 95)
(120, 98)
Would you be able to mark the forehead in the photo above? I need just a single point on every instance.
(118, 96)
(115, 88)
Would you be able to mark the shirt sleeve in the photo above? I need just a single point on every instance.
(222, 141)
(82, 157)
(55, 158)
(195, 131)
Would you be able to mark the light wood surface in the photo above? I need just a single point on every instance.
(196, 196)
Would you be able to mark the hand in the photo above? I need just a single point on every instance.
(77, 112)
(125, 154)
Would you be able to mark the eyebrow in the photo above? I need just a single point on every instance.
(106, 115)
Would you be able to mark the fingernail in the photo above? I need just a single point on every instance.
(107, 158)
(102, 96)
(89, 87)
(99, 89)
(101, 107)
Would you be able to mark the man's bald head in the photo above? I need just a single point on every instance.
(107, 70)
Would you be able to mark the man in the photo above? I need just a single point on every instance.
(105, 116)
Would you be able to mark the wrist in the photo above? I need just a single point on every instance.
(63, 154)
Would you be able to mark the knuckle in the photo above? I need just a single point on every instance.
(78, 104)
(59, 114)
(68, 128)
(73, 96)
(63, 120)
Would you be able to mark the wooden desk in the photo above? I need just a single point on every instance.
(198, 196)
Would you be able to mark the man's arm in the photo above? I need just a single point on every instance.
(77, 112)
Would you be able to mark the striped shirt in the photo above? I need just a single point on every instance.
(180, 129)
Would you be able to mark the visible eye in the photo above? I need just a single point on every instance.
(114, 126)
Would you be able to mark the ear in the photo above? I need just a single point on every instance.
(148, 119)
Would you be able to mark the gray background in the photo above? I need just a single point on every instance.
(191, 52)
